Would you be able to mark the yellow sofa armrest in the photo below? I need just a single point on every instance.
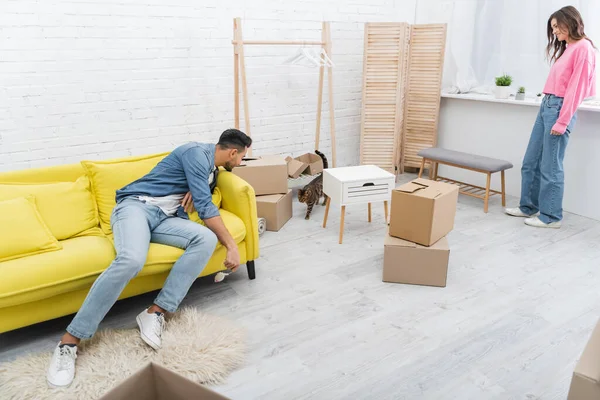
(239, 198)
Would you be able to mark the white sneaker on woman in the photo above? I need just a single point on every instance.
(538, 223)
(516, 212)
(62, 366)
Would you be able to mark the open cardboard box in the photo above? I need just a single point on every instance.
(295, 167)
(266, 174)
(585, 383)
(313, 161)
(423, 211)
(155, 382)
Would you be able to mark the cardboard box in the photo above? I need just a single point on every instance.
(585, 383)
(314, 162)
(423, 211)
(275, 208)
(295, 167)
(154, 382)
(408, 262)
(266, 174)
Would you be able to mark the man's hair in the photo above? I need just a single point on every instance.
(234, 138)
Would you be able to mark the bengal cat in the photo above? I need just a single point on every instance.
(312, 192)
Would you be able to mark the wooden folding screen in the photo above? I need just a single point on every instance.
(425, 66)
(402, 75)
(384, 75)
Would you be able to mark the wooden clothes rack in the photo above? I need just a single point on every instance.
(239, 69)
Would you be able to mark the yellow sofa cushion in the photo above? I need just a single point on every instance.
(41, 276)
(66, 207)
(108, 176)
(23, 231)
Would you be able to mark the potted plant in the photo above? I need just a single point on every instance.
(503, 86)
(521, 93)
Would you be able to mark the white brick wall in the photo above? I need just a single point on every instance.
(94, 80)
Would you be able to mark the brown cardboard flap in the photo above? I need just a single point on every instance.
(427, 188)
(411, 187)
(295, 167)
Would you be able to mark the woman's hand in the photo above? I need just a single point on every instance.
(188, 203)
(553, 132)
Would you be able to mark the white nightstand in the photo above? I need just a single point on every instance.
(359, 184)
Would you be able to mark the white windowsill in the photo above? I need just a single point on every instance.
(593, 105)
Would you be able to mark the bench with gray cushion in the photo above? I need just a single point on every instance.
(472, 162)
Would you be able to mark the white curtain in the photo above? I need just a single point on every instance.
(488, 38)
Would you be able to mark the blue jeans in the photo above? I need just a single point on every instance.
(542, 174)
(135, 224)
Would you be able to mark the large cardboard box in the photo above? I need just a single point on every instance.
(275, 208)
(295, 167)
(154, 382)
(314, 162)
(585, 383)
(408, 262)
(266, 174)
(423, 211)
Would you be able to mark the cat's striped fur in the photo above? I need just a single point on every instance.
(312, 192)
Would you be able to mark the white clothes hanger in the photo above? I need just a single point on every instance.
(306, 57)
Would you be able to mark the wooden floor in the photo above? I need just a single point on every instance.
(518, 309)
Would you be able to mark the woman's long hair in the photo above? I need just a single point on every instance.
(566, 18)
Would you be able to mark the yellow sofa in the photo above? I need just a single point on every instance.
(55, 235)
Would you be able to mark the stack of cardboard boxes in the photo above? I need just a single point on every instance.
(268, 175)
(415, 248)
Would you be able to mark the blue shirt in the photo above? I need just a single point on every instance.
(187, 168)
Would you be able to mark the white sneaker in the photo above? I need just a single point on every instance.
(151, 328)
(516, 212)
(62, 366)
(535, 221)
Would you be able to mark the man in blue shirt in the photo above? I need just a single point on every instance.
(154, 209)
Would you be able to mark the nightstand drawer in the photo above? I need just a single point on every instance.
(367, 191)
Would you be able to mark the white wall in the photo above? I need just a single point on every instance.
(92, 79)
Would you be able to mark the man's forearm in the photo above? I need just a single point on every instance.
(216, 225)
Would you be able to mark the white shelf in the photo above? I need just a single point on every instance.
(593, 106)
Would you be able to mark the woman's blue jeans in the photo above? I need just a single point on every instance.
(542, 174)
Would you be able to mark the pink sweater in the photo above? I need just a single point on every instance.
(572, 77)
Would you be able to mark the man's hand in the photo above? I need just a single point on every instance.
(232, 261)
(188, 203)
(215, 224)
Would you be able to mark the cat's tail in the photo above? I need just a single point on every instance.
(325, 163)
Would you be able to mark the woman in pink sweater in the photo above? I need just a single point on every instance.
(571, 80)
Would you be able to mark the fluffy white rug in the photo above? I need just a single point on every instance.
(200, 347)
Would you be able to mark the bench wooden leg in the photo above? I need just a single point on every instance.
(435, 172)
(422, 167)
(487, 192)
(431, 167)
(503, 191)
